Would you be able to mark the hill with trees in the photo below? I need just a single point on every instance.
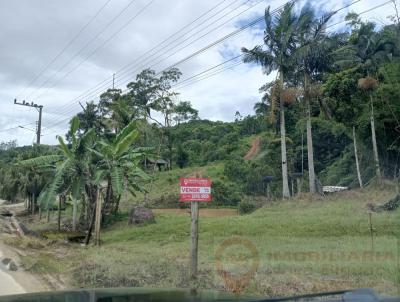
(329, 118)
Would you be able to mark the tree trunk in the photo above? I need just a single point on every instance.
(310, 148)
(59, 212)
(74, 213)
(107, 206)
(298, 180)
(285, 182)
(356, 157)
(92, 197)
(116, 209)
(33, 204)
(374, 145)
(97, 224)
(89, 233)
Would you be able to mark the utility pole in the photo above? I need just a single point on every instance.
(39, 108)
(113, 80)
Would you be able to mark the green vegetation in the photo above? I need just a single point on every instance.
(331, 116)
(335, 229)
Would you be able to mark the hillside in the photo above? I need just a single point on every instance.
(303, 246)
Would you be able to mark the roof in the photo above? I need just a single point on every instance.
(158, 161)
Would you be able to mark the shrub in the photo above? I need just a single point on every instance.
(246, 207)
(224, 194)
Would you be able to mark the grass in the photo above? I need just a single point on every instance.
(303, 245)
(165, 183)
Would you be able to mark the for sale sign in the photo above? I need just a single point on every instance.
(195, 189)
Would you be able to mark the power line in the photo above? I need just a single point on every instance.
(64, 49)
(39, 108)
(363, 12)
(215, 72)
(99, 47)
(196, 77)
(105, 81)
(16, 127)
(84, 47)
(234, 33)
(202, 50)
(207, 70)
(163, 49)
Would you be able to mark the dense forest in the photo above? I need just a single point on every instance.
(331, 117)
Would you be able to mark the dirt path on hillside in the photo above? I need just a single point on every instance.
(254, 150)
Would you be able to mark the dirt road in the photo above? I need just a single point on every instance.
(255, 148)
(20, 281)
(8, 285)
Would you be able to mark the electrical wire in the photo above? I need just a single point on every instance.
(106, 81)
(215, 72)
(113, 35)
(59, 54)
(207, 47)
(16, 127)
(162, 50)
(90, 41)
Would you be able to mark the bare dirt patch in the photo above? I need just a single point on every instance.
(203, 212)
(254, 150)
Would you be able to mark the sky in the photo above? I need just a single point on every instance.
(60, 54)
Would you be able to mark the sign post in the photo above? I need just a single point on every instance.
(194, 239)
(195, 190)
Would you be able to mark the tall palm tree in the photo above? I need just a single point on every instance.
(366, 50)
(313, 58)
(281, 40)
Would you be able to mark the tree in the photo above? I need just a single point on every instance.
(366, 50)
(71, 168)
(89, 118)
(261, 108)
(118, 164)
(184, 112)
(281, 40)
(151, 92)
(182, 157)
(314, 58)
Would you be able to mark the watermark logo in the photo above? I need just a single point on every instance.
(237, 260)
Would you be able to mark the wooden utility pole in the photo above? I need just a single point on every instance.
(39, 108)
(194, 239)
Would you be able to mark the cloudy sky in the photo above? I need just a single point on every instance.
(60, 53)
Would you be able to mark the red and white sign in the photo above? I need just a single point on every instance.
(195, 189)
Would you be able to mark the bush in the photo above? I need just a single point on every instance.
(236, 169)
(169, 200)
(246, 207)
(225, 195)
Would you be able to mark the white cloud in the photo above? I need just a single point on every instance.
(34, 32)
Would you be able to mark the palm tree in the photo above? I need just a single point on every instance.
(281, 40)
(366, 50)
(313, 58)
(71, 168)
(261, 108)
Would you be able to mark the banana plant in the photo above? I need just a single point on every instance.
(118, 165)
(71, 168)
